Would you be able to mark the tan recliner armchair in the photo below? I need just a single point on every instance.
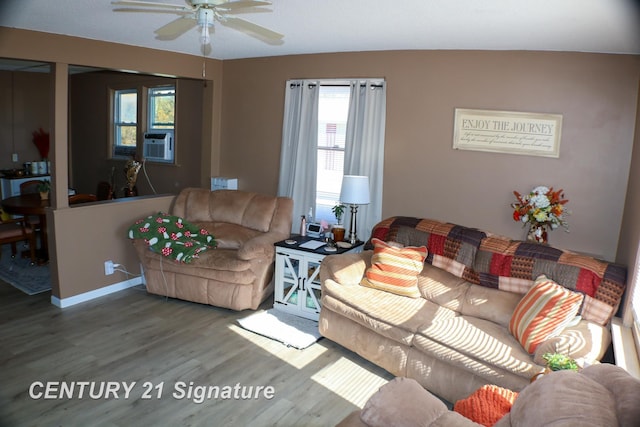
(238, 274)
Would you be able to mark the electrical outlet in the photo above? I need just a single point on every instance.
(108, 268)
(14, 157)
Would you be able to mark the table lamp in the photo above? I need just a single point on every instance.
(354, 192)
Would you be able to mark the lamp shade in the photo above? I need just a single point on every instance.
(355, 190)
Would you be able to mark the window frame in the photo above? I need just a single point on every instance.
(151, 103)
(119, 150)
(144, 121)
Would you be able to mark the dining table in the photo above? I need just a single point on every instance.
(31, 205)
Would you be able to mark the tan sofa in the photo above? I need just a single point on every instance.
(600, 395)
(238, 274)
(455, 337)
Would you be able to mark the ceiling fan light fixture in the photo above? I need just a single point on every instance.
(205, 37)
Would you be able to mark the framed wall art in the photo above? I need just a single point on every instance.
(511, 132)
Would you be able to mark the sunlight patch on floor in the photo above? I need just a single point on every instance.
(296, 358)
(346, 379)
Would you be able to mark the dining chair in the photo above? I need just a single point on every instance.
(17, 230)
(82, 198)
(30, 187)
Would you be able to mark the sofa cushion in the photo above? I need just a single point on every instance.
(402, 402)
(564, 398)
(229, 236)
(478, 345)
(395, 269)
(624, 388)
(251, 210)
(490, 304)
(393, 316)
(543, 313)
(442, 288)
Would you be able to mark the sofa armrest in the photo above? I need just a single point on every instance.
(404, 402)
(345, 269)
(586, 342)
(260, 246)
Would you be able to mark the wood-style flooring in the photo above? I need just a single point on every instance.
(162, 346)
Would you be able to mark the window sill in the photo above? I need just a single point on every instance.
(624, 348)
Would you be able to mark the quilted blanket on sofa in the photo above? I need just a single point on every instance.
(510, 265)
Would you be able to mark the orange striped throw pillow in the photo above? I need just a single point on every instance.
(543, 313)
(395, 269)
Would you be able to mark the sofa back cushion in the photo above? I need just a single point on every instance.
(513, 266)
(251, 210)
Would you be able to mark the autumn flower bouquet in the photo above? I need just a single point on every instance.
(541, 208)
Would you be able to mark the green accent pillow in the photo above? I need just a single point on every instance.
(172, 236)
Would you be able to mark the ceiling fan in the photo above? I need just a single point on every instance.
(204, 13)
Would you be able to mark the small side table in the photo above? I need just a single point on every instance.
(297, 279)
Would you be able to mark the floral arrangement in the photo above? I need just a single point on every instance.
(131, 169)
(41, 141)
(542, 206)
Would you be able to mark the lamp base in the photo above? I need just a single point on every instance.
(353, 237)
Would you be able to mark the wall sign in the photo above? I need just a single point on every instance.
(510, 132)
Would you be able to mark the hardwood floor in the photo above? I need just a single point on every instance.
(133, 337)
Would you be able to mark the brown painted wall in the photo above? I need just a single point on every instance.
(19, 118)
(424, 176)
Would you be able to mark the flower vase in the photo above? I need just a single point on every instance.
(537, 233)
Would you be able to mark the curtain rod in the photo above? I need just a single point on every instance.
(373, 85)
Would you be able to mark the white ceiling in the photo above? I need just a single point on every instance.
(314, 26)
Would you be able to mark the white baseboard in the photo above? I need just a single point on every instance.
(88, 296)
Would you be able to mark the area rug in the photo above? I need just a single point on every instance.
(19, 273)
(293, 331)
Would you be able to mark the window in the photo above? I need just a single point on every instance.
(333, 109)
(162, 107)
(344, 134)
(125, 124)
(159, 103)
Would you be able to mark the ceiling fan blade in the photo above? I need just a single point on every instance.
(175, 28)
(150, 4)
(253, 30)
(241, 4)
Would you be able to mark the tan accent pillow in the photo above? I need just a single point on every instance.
(395, 269)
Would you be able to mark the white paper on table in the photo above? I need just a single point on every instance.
(312, 244)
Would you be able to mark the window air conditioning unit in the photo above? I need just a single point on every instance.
(158, 146)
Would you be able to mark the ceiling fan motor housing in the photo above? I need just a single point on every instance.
(206, 3)
(205, 17)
